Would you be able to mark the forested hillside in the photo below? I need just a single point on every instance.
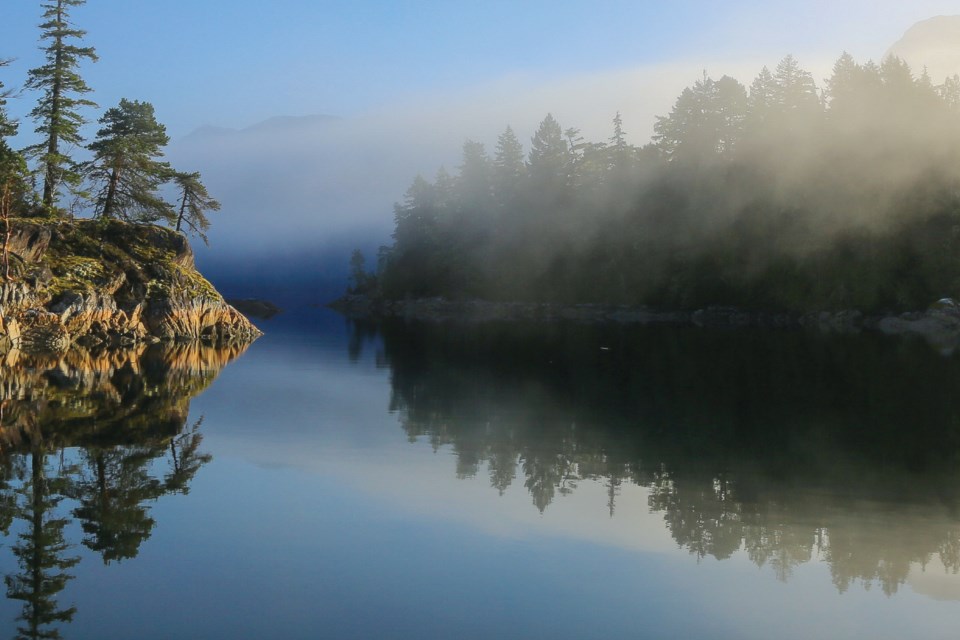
(780, 195)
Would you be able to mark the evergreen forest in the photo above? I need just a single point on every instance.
(783, 195)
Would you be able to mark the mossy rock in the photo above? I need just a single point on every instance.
(106, 278)
(130, 261)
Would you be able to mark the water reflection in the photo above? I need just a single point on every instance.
(91, 438)
(786, 446)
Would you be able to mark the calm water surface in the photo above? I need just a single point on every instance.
(409, 481)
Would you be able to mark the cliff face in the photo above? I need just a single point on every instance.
(92, 282)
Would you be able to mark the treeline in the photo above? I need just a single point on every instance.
(121, 178)
(783, 195)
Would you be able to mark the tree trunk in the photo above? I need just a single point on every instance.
(5, 214)
(183, 209)
(111, 192)
(53, 142)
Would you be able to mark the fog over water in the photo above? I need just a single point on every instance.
(310, 188)
(313, 187)
(335, 174)
(307, 189)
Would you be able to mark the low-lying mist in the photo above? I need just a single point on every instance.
(782, 194)
(315, 187)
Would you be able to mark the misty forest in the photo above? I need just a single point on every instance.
(781, 196)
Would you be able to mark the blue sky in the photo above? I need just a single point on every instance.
(235, 62)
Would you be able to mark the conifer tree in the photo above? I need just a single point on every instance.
(706, 121)
(508, 167)
(949, 92)
(125, 168)
(796, 92)
(621, 152)
(621, 156)
(763, 92)
(474, 184)
(194, 202)
(57, 114)
(843, 83)
(550, 155)
(13, 176)
(8, 127)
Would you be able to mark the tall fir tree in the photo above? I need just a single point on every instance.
(949, 92)
(796, 92)
(621, 157)
(57, 113)
(842, 85)
(550, 154)
(508, 167)
(474, 181)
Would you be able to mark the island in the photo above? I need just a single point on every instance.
(772, 204)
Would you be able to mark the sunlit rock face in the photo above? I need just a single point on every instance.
(101, 283)
(934, 44)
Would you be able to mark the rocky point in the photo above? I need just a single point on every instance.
(109, 283)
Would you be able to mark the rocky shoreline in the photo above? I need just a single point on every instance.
(940, 323)
(108, 283)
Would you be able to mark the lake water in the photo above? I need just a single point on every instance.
(513, 481)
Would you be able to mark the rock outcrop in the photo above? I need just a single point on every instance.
(93, 283)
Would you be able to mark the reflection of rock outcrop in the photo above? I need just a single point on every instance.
(88, 429)
(782, 445)
(84, 397)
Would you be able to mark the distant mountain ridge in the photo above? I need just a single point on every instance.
(933, 44)
(276, 124)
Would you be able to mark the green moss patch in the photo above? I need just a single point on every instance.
(144, 261)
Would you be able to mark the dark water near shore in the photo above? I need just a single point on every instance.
(415, 481)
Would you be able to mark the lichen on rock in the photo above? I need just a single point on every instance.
(106, 282)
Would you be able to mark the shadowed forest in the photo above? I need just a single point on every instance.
(782, 195)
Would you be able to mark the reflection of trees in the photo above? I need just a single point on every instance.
(704, 519)
(41, 552)
(784, 446)
(361, 331)
(185, 459)
(112, 489)
(91, 431)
